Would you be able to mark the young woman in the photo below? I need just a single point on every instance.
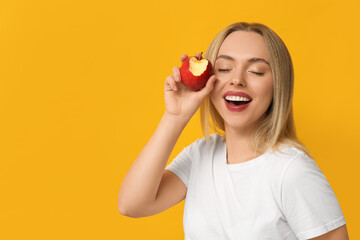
(252, 178)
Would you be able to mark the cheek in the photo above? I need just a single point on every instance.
(216, 90)
(213, 97)
(268, 92)
(266, 89)
(220, 78)
(269, 97)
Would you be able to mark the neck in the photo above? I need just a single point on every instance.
(238, 146)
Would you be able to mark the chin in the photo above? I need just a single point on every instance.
(236, 124)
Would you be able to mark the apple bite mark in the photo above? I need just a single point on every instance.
(195, 72)
(197, 67)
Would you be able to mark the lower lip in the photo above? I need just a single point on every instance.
(235, 108)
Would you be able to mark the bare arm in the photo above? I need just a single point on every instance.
(337, 234)
(148, 188)
(140, 186)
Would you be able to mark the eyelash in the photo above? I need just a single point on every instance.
(226, 70)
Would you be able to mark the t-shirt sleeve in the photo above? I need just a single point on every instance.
(181, 164)
(308, 201)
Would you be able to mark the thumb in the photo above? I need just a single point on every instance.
(209, 86)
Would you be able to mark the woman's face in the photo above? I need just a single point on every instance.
(242, 66)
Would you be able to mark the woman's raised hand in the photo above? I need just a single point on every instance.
(180, 101)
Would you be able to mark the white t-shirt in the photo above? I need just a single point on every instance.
(274, 196)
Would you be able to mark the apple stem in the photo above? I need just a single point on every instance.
(200, 56)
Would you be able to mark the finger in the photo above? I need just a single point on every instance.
(198, 56)
(183, 57)
(176, 74)
(209, 85)
(171, 82)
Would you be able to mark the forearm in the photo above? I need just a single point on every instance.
(142, 181)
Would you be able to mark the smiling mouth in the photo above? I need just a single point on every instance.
(237, 102)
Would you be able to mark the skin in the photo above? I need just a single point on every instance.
(241, 76)
(336, 234)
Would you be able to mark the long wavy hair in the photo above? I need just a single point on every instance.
(277, 126)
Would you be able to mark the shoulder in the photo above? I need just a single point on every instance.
(287, 152)
(203, 144)
(293, 162)
(300, 170)
(288, 165)
(281, 160)
(202, 148)
(303, 179)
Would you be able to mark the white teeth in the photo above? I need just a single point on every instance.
(236, 98)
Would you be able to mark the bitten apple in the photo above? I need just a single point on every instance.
(195, 72)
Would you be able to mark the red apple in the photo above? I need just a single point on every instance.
(195, 72)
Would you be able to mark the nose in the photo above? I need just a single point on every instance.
(238, 80)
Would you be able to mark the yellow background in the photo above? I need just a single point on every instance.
(82, 92)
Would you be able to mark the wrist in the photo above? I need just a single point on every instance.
(176, 120)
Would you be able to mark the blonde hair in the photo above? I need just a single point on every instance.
(277, 126)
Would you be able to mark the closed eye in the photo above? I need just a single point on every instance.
(226, 70)
(258, 73)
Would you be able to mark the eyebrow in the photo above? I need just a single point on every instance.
(249, 60)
